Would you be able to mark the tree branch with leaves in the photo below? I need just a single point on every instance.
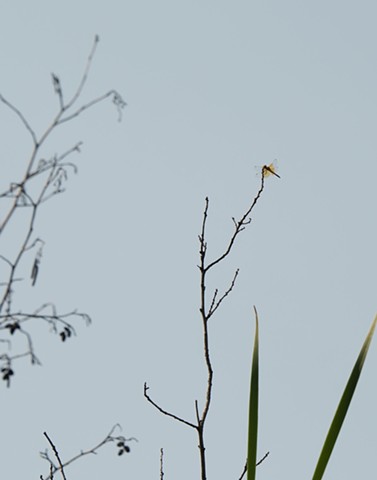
(121, 443)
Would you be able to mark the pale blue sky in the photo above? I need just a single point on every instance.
(214, 88)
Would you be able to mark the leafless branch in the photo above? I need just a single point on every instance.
(239, 226)
(204, 268)
(207, 313)
(161, 464)
(117, 100)
(61, 468)
(215, 305)
(267, 453)
(21, 117)
(179, 419)
(85, 74)
(243, 471)
(257, 464)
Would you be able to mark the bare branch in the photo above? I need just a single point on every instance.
(267, 453)
(257, 464)
(46, 165)
(179, 419)
(61, 468)
(206, 314)
(243, 471)
(197, 411)
(161, 464)
(6, 260)
(214, 306)
(21, 117)
(239, 227)
(85, 75)
(204, 268)
(117, 100)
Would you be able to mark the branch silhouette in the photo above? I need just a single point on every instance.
(45, 176)
(122, 445)
(214, 301)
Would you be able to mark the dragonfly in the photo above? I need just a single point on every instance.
(270, 169)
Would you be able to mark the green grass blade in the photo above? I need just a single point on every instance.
(344, 403)
(253, 407)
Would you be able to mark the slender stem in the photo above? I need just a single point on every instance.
(206, 314)
(51, 174)
(61, 468)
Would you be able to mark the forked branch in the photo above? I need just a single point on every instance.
(207, 312)
(45, 176)
(122, 445)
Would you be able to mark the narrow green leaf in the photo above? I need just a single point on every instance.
(253, 406)
(344, 403)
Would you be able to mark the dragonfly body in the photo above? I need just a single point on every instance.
(268, 170)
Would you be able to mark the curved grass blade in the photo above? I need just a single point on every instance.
(253, 406)
(344, 403)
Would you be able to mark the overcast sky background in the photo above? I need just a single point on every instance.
(214, 88)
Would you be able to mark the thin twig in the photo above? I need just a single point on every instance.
(161, 464)
(264, 456)
(85, 74)
(85, 107)
(165, 412)
(21, 117)
(257, 464)
(61, 468)
(239, 227)
(214, 306)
